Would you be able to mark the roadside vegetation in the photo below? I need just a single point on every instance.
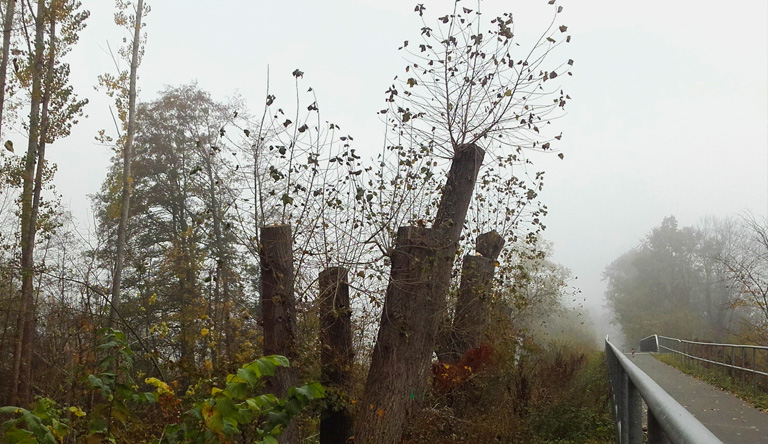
(739, 384)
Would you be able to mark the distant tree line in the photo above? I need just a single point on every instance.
(706, 282)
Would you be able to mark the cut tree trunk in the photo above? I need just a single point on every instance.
(457, 191)
(471, 319)
(336, 354)
(414, 307)
(471, 315)
(406, 339)
(451, 215)
(278, 311)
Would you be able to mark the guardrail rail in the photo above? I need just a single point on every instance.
(668, 421)
(748, 361)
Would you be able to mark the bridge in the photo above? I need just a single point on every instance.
(657, 402)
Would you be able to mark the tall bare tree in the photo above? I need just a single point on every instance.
(134, 21)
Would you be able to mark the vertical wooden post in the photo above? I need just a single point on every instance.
(278, 311)
(336, 353)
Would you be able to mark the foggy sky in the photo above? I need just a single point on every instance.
(669, 113)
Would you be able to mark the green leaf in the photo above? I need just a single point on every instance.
(236, 390)
(254, 368)
(227, 408)
(95, 382)
(107, 346)
(267, 368)
(266, 401)
(248, 375)
(18, 436)
(36, 426)
(317, 390)
(269, 439)
(278, 360)
(229, 427)
(120, 412)
(196, 413)
(215, 422)
(293, 406)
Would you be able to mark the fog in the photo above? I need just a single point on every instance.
(669, 113)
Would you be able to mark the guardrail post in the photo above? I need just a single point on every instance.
(614, 373)
(655, 433)
(624, 406)
(634, 414)
(733, 363)
(754, 367)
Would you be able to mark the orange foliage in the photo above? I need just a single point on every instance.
(446, 377)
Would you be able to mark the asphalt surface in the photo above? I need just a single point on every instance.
(732, 420)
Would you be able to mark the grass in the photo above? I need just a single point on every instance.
(718, 378)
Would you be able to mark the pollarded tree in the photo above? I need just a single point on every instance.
(467, 99)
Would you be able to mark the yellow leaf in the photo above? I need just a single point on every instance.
(162, 387)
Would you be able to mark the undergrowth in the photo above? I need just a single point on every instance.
(553, 395)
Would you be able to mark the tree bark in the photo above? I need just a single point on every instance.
(10, 6)
(450, 218)
(125, 201)
(278, 310)
(457, 191)
(406, 338)
(336, 353)
(22, 375)
(471, 318)
(414, 307)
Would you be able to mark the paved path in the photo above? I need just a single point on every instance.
(728, 417)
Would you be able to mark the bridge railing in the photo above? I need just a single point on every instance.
(736, 360)
(668, 421)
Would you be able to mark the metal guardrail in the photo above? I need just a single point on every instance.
(668, 421)
(650, 344)
(746, 361)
